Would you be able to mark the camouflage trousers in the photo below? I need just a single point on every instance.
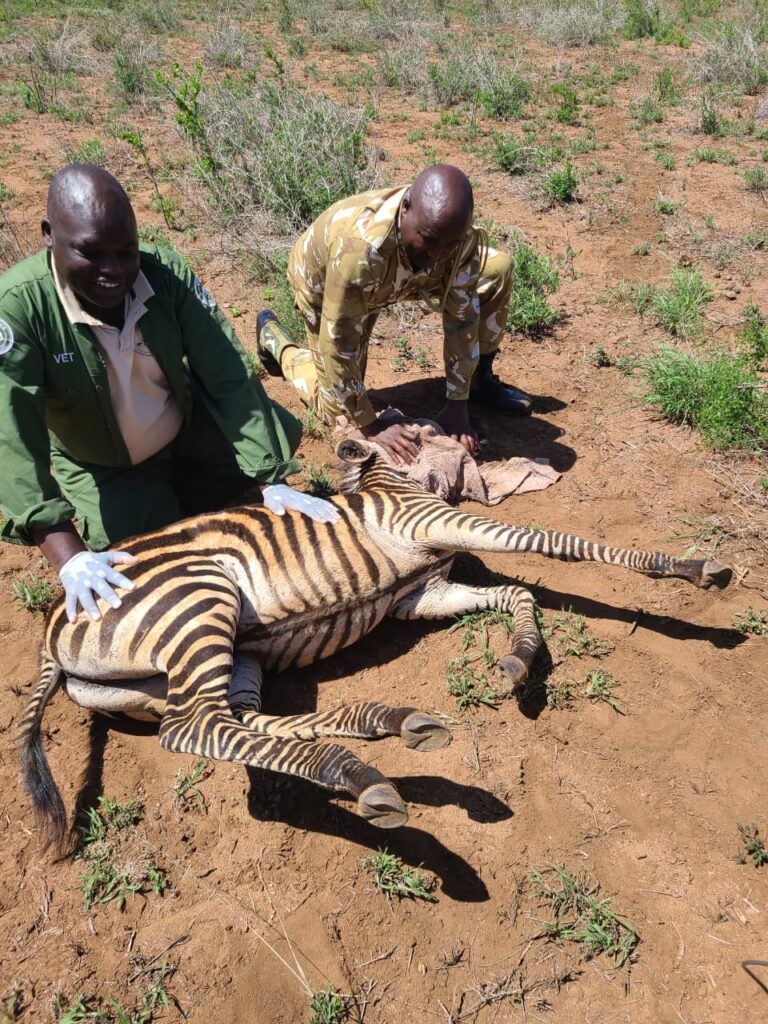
(305, 367)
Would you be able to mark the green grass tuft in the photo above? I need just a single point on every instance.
(582, 916)
(714, 393)
(535, 278)
(34, 595)
(560, 186)
(394, 879)
(678, 308)
(326, 1007)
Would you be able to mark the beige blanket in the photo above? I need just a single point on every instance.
(444, 466)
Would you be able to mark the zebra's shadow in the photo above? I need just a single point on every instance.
(302, 805)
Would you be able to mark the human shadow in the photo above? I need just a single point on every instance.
(303, 805)
(506, 436)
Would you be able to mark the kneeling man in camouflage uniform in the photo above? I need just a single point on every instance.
(382, 247)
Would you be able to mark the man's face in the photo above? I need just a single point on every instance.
(426, 243)
(96, 253)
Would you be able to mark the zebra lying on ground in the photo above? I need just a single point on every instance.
(223, 596)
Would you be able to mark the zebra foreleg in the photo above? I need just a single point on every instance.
(439, 599)
(367, 721)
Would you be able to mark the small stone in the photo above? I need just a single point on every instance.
(730, 294)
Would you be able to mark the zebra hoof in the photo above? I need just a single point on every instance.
(381, 805)
(514, 669)
(422, 732)
(715, 575)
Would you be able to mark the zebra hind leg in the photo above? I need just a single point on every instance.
(203, 725)
(366, 721)
(439, 599)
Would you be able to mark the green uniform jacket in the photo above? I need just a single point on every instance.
(54, 390)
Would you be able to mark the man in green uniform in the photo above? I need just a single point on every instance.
(126, 400)
(382, 247)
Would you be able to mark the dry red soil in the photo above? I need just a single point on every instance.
(267, 885)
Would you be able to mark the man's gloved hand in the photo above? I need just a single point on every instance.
(90, 572)
(280, 497)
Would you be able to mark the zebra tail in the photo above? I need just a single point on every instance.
(35, 771)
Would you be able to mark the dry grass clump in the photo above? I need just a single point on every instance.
(227, 45)
(55, 50)
(271, 157)
(573, 22)
(735, 56)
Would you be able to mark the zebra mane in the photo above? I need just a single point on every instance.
(364, 465)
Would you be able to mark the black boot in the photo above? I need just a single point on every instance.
(487, 389)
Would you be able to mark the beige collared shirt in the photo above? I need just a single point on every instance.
(148, 415)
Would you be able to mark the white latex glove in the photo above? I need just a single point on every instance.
(280, 497)
(90, 572)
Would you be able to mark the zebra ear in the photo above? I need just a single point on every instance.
(354, 452)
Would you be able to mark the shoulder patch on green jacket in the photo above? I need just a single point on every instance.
(6, 337)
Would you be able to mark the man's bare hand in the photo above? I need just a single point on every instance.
(454, 419)
(398, 441)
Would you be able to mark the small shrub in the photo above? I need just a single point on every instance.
(465, 75)
(665, 206)
(505, 99)
(158, 16)
(666, 86)
(131, 69)
(751, 622)
(560, 186)
(710, 120)
(568, 111)
(678, 309)
(515, 157)
(642, 19)
(272, 152)
(647, 111)
(185, 789)
(754, 337)
(735, 56)
(714, 393)
(565, 23)
(756, 179)
(535, 278)
(394, 879)
(226, 46)
(314, 427)
(754, 847)
(403, 68)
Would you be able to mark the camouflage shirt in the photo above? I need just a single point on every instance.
(349, 264)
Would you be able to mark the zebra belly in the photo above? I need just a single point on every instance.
(291, 644)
